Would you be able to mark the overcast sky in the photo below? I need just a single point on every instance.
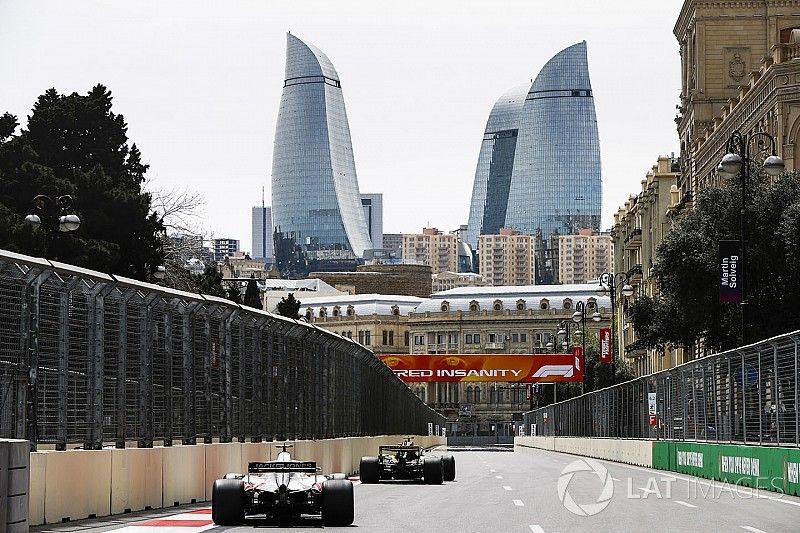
(199, 84)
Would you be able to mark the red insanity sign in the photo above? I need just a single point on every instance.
(605, 345)
(542, 368)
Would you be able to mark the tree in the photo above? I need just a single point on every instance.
(74, 144)
(289, 306)
(233, 292)
(209, 282)
(252, 295)
(687, 309)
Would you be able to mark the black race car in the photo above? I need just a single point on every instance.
(407, 461)
(282, 489)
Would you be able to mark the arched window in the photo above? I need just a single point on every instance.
(474, 307)
(445, 306)
(309, 314)
(544, 304)
(336, 311)
(567, 304)
(493, 394)
(396, 311)
(469, 394)
(520, 305)
(477, 395)
(497, 305)
(350, 310)
(323, 312)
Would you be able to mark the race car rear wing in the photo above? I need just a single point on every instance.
(282, 466)
(382, 449)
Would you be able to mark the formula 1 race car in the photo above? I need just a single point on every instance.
(282, 489)
(407, 461)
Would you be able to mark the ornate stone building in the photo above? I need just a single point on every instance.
(495, 320)
(739, 71)
(639, 227)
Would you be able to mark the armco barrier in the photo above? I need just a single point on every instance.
(14, 474)
(86, 483)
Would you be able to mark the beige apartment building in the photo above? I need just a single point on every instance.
(444, 281)
(639, 227)
(433, 248)
(507, 258)
(584, 257)
(739, 71)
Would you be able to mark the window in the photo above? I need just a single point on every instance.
(439, 339)
(469, 395)
(396, 311)
(350, 310)
(367, 338)
(523, 337)
(468, 338)
(520, 305)
(476, 338)
(391, 338)
(419, 340)
(349, 334)
(498, 305)
(477, 395)
(474, 307)
(361, 337)
(445, 307)
(406, 337)
(336, 311)
(385, 337)
(515, 337)
(544, 304)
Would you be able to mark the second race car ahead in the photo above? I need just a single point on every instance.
(407, 461)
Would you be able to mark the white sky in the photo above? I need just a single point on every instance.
(199, 84)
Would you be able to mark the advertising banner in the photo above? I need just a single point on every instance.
(544, 368)
(651, 408)
(730, 274)
(605, 345)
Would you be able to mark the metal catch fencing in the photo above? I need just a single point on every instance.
(92, 359)
(746, 395)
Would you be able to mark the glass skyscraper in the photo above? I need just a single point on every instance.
(316, 206)
(554, 185)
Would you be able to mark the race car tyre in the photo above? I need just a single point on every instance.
(337, 502)
(232, 475)
(448, 467)
(432, 470)
(338, 475)
(227, 502)
(370, 470)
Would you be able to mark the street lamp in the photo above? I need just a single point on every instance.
(741, 150)
(579, 317)
(53, 216)
(609, 284)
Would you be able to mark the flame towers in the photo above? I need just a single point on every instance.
(316, 206)
(539, 167)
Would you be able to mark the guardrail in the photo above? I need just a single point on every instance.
(94, 359)
(747, 395)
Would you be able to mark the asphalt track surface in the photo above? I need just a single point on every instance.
(505, 491)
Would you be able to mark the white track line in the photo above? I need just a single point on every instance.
(519, 503)
(685, 504)
(506, 487)
(752, 529)
(536, 528)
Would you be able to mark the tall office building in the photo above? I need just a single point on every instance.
(223, 247)
(262, 233)
(316, 205)
(539, 167)
(373, 212)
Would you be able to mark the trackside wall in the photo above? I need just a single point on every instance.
(76, 484)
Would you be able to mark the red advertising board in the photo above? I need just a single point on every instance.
(605, 345)
(542, 368)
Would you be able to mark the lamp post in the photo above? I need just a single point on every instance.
(579, 317)
(609, 284)
(741, 150)
(53, 216)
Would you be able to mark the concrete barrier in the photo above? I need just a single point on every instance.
(76, 484)
(631, 451)
(14, 485)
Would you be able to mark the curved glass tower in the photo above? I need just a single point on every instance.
(487, 211)
(316, 205)
(555, 185)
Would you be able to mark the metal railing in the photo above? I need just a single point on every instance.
(94, 359)
(747, 395)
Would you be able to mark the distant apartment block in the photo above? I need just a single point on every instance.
(224, 247)
(583, 257)
(432, 248)
(262, 233)
(444, 281)
(394, 243)
(507, 258)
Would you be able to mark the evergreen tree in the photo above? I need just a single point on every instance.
(252, 295)
(74, 144)
(289, 306)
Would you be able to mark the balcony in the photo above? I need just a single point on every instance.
(634, 239)
(635, 349)
(495, 345)
(785, 52)
(635, 274)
